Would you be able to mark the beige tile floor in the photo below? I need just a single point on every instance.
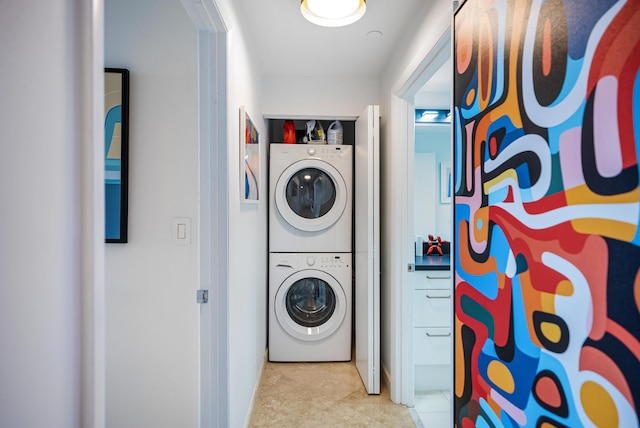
(322, 395)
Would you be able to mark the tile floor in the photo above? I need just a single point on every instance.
(433, 409)
(323, 395)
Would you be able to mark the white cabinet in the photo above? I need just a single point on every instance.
(432, 316)
(432, 308)
(433, 280)
(433, 344)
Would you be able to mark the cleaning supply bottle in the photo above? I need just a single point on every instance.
(289, 132)
(334, 133)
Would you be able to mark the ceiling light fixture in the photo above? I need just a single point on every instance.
(433, 116)
(333, 13)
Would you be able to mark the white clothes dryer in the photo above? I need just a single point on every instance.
(310, 187)
(310, 307)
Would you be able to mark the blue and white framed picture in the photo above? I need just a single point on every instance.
(249, 159)
(446, 183)
(116, 151)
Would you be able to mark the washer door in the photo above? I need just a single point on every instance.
(310, 305)
(311, 195)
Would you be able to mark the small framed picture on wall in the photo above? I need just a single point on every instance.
(249, 159)
(446, 183)
(116, 153)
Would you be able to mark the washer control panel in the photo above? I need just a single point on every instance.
(321, 261)
(326, 261)
(328, 153)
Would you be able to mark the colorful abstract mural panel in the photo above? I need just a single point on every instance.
(547, 208)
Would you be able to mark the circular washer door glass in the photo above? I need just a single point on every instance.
(311, 193)
(310, 302)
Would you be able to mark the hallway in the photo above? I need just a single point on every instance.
(321, 395)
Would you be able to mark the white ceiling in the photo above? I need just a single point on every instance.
(290, 45)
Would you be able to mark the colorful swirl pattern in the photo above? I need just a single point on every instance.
(547, 208)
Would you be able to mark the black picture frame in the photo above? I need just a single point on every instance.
(116, 154)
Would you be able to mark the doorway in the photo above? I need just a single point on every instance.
(426, 356)
(433, 218)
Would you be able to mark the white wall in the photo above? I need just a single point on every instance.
(152, 316)
(248, 240)
(434, 99)
(51, 234)
(422, 36)
(339, 97)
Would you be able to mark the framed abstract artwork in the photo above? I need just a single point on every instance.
(249, 159)
(445, 183)
(116, 151)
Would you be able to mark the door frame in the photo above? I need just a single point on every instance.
(213, 216)
(429, 65)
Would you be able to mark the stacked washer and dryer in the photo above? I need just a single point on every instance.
(310, 259)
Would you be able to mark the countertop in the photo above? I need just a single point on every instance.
(433, 262)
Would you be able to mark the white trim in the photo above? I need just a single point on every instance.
(408, 252)
(214, 204)
(303, 117)
(385, 378)
(213, 212)
(402, 111)
(431, 63)
(93, 248)
(256, 390)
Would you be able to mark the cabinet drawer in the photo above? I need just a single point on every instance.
(432, 308)
(433, 280)
(431, 346)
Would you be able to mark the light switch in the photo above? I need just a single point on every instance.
(181, 230)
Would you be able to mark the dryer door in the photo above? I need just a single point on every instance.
(310, 305)
(311, 195)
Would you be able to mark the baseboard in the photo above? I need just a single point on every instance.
(265, 357)
(386, 377)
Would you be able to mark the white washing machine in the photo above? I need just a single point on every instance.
(310, 209)
(310, 307)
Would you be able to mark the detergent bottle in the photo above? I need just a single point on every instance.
(289, 132)
(334, 133)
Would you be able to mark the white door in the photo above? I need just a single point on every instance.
(367, 248)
